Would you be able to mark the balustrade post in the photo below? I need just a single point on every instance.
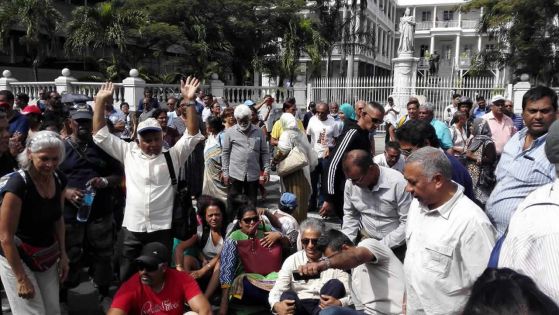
(133, 89)
(217, 87)
(300, 92)
(519, 90)
(6, 79)
(64, 82)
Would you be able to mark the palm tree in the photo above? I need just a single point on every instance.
(40, 21)
(104, 26)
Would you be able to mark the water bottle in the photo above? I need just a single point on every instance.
(85, 208)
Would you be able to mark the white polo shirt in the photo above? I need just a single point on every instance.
(149, 193)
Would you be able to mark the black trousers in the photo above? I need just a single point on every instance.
(237, 187)
(333, 287)
(132, 245)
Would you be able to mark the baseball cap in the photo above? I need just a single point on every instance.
(552, 143)
(81, 111)
(497, 98)
(31, 109)
(249, 103)
(153, 254)
(288, 200)
(150, 124)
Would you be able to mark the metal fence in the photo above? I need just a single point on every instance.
(437, 90)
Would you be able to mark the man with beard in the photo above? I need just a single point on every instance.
(158, 289)
(148, 211)
(85, 165)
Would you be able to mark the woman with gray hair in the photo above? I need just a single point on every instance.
(33, 259)
(481, 158)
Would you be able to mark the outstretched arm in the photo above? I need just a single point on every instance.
(104, 94)
(188, 91)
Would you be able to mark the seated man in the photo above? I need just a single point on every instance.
(377, 277)
(157, 289)
(308, 296)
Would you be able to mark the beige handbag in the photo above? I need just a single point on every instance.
(294, 161)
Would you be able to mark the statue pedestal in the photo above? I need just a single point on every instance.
(405, 75)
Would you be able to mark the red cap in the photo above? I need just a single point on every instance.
(31, 109)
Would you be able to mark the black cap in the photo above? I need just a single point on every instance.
(81, 111)
(153, 254)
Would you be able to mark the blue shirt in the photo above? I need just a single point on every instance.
(518, 121)
(443, 134)
(461, 176)
(478, 113)
(154, 104)
(518, 173)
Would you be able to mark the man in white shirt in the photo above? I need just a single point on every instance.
(149, 195)
(322, 132)
(377, 276)
(451, 109)
(376, 203)
(391, 157)
(449, 238)
(530, 246)
(308, 297)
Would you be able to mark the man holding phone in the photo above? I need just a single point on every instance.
(306, 295)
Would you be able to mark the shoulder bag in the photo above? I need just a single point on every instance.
(294, 161)
(257, 258)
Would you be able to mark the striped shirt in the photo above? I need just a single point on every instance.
(518, 173)
(531, 244)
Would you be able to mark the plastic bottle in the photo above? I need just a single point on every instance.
(85, 209)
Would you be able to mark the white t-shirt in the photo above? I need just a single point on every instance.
(449, 113)
(377, 287)
(206, 112)
(322, 134)
(380, 160)
(390, 117)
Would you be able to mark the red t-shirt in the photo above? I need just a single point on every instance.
(134, 297)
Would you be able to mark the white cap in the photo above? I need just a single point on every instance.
(497, 98)
(150, 124)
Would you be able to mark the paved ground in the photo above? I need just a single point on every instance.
(83, 300)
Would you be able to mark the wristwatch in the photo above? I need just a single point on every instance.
(190, 103)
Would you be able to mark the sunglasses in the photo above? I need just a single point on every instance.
(146, 267)
(250, 220)
(375, 120)
(306, 241)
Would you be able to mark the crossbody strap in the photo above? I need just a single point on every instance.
(171, 168)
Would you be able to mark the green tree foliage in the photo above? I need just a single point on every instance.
(526, 35)
(40, 21)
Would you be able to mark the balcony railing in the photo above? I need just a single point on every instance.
(469, 24)
(447, 24)
(423, 26)
(427, 25)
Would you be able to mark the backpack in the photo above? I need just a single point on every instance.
(496, 252)
(184, 222)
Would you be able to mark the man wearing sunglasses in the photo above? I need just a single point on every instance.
(293, 295)
(158, 289)
(356, 137)
(375, 202)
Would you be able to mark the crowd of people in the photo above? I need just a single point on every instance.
(454, 217)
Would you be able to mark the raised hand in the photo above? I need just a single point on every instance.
(105, 93)
(189, 87)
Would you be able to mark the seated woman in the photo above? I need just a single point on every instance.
(200, 254)
(291, 295)
(238, 282)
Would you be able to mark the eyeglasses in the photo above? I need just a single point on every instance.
(250, 220)
(306, 241)
(146, 267)
(375, 120)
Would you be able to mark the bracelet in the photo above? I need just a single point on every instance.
(105, 181)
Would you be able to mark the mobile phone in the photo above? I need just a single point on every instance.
(299, 277)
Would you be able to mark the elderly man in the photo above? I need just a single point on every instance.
(418, 134)
(502, 127)
(377, 277)
(375, 202)
(291, 295)
(530, 246)
(158, 289)
(443, 133)
(357, 137)
(322, 132)
(449, 238)
(391, 157)
(244, 148)
(149, 191)
(523, 166)
(508, 109)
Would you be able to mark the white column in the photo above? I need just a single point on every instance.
(64, 82)
(432, 46)
(479, 43)
(459, 18)
(133, 89)
(414, 16)
(6, 79)
(457, 52)
(434, 16)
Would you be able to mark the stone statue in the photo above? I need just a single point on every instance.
(407, 29)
